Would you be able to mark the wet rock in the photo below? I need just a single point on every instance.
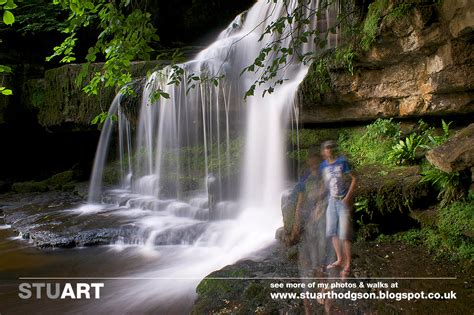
(46, 220)
(456, 154)
(248, 292)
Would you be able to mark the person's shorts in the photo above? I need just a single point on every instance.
(338, 220)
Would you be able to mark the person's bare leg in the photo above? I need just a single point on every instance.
(347, 258)
(347, 255)
(337, 248)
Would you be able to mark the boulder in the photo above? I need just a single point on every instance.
(288, 208)
(456, 154)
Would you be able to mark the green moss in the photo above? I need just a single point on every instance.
(217, 294)
(31, 186)
(371, 24)
(60, 100)
(451, 238)
(61, 179)
(318, 79)
(457, 220)
(112, 173)
(219, 286)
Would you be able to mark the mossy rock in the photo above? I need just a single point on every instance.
(241, 294)
(31, 186)
(391, 189)
(427, 218)
(57, 181)
(112, 174)
(386, 196)
(218, 293)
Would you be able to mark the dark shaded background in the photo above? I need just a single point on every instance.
(29, 151)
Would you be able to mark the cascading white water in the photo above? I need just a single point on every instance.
(179, 141)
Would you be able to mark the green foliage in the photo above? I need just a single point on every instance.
(457, 220)
(370, 145)
(448, 184)
(6, 6)
(102, 117)
(411, 237)
(344, 57)
(319, 77)
(8, 18)
(125, 35)
(383, 128)
(39, 16)
(363, 210)
(295, 24)
(451, 238)
(370, 27)
(401, 10)
(5, 91)
(404, 152)
(424, 137)
(431, 139)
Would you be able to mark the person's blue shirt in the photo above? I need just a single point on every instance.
(334, 178)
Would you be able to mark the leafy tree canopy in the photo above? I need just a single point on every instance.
(126, 33)
(6, 7)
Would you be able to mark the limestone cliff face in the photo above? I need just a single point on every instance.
(420, 64)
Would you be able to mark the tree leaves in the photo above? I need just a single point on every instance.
(8, 17)
(5, 69)
(102, 117)
(125, 36)
(5, 91)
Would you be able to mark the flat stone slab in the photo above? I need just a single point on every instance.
(456, 154)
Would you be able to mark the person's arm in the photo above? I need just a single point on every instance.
(348, 198)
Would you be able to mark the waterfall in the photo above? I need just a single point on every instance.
(207, 129)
